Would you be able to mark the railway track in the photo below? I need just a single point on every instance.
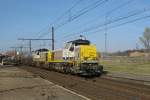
(96, 88)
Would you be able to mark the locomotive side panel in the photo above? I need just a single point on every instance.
(58, 55)
(85, 53)
(88, 53)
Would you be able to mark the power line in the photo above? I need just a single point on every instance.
(59, 18)
(118, 19)
(111, 11)
(83, 11)
(106, 19)
(68, 11)
(120, 6)
(115, 26)
(42, 35)
(113, 21)
(131, 21)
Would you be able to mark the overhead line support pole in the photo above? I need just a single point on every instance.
(53, 45)
(30, 42)
(106, 33)
(30, 46)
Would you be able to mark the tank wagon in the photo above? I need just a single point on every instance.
(77, 57)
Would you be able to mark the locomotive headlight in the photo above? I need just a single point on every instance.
(85, 61)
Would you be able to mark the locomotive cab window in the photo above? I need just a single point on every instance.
(37, 53)
(67, 45)
(71, 48)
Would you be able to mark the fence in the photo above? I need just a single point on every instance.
(125, 59)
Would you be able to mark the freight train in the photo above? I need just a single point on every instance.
(77, 57)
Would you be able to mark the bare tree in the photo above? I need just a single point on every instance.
(145, 39)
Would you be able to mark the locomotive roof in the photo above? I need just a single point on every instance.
(42, 50)
(80, 41)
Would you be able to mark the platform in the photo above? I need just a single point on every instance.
(18, 84)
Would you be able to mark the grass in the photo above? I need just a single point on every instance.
(131, 68)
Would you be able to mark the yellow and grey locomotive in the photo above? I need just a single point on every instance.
(77, 57)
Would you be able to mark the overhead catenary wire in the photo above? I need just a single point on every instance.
(118, 19)
(124, 23)
(68, 11)
(137, 12)
(59, 18)
(110, 12)
(121, 24)
(119, 7)
(43, 34)
(82, 12)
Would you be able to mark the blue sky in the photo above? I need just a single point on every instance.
(31, 18)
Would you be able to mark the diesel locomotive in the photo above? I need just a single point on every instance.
(77, 57)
